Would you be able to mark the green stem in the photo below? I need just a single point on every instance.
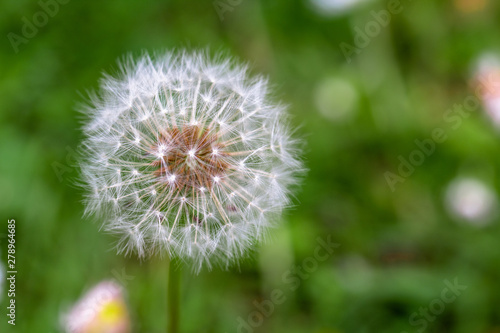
(173, 291)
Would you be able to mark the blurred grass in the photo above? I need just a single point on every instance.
(395, 248)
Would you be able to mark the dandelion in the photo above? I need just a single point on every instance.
(188, 157)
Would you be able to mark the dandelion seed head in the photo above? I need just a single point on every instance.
(187, 156)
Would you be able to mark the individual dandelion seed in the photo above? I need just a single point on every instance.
(186, 155)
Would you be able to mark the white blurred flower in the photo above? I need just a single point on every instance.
(335, 7)
(487, 80)
(336, 98)
(471, 200)
(188, 156)
(100, 310)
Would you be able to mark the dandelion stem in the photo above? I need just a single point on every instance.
(173, 291)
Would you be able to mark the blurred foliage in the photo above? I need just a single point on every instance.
(396, 248)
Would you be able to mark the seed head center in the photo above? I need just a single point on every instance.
(190, 157)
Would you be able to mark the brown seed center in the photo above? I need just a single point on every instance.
(189, 157)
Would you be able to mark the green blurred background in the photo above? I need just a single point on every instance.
(357, 116)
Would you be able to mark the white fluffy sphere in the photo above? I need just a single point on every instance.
(186, 155)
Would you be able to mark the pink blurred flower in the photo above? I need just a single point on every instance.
(100, 310)
(487, 81)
